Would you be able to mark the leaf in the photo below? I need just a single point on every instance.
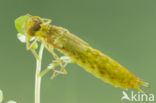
(21, 38)
(66, 59)
(11, 101)
(35, 46)
(1, 96)
(19, 23)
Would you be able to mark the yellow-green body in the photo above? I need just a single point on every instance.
(92, 60)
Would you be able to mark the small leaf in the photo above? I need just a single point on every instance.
(19, 23)
(21, 38)
(51, 66)
(66, 59)
(1, 96)
(32, 38)
(35, 46)
(11, 101)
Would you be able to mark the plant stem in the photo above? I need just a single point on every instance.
(37, 76)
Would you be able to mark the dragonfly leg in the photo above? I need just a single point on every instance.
(35, 53)
(29, 46)
(51, 50)
(51, 66)
(60, 61)
(57, 72)
(47, 21)
(65, 60)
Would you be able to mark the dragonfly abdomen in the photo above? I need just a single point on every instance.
(92, 60)
(108, 69)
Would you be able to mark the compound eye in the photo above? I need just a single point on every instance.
(36, 25)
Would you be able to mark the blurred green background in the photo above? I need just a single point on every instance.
(123, 29)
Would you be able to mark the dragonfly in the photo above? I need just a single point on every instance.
(92, 60)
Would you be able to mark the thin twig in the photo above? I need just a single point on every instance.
(37, 76)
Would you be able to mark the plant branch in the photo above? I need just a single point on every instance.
(37, 76)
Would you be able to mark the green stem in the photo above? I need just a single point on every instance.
(44, 72)
(37, 76)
